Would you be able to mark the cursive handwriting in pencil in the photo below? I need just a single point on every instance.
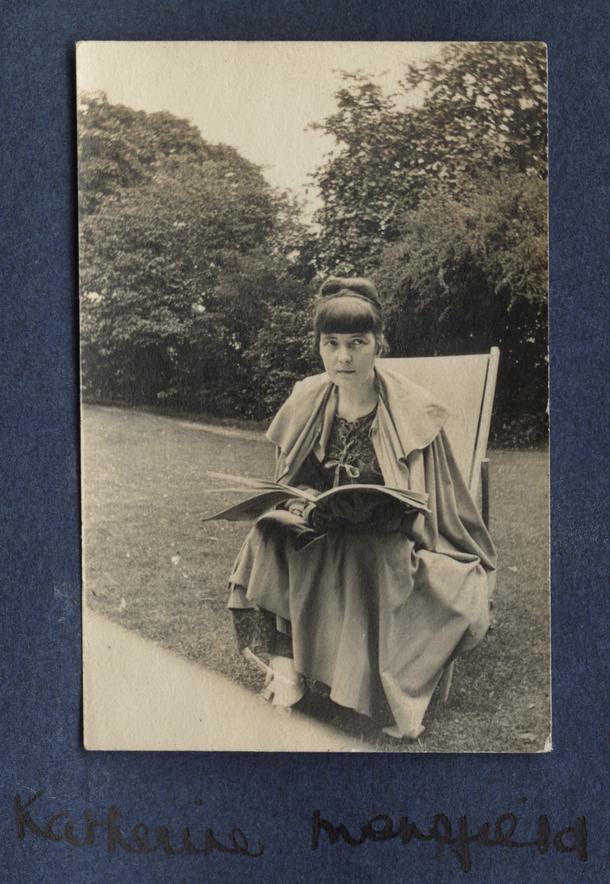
(140, 838)
(459, 837)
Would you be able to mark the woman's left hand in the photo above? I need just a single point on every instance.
(320, 521)
(297, 507)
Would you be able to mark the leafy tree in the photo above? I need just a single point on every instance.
(484, 108)
(438, 191)
(366, 180)
(469, 276)
(152, 255)
(266, 313)
(120, 147)
(186, 253)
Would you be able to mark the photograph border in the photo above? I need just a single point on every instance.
(113, 80)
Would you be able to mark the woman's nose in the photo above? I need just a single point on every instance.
(345, 356)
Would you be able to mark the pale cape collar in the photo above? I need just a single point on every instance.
(410, 415)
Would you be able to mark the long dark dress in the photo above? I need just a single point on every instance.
(350, 457)
(377, 614)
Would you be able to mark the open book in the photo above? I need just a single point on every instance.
(350, 503)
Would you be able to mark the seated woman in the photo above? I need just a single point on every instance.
(374, 613)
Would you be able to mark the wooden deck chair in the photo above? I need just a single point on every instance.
(466, 385)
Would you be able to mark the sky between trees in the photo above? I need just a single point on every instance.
(259, 97)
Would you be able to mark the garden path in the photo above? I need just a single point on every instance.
(139, 695)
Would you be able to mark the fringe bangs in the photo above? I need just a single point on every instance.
(347, 316)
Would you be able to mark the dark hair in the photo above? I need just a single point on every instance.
(348, 306)
(339, 286)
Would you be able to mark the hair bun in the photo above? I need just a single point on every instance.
(357, 286)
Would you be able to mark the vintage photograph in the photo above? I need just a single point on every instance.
(314, 423)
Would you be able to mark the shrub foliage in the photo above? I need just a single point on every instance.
(197, 276)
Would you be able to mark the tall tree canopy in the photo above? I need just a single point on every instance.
(120, 147)
(439, 192)
(483, 108)
(175, 238)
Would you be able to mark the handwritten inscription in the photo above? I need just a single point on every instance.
(459, 837)
(88, 829)
(139, 838)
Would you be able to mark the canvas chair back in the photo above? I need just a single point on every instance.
(466, 386)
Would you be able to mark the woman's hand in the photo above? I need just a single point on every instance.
(309, 512)
(297, 506)
(320, 521)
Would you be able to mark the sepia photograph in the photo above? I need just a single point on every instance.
(313, 286)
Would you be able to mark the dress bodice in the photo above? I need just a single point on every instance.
(349, 457)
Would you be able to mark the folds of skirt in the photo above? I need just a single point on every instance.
(371, 616)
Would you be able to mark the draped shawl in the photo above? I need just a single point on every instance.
(432, 589)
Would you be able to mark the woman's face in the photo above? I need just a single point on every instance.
(349, 359)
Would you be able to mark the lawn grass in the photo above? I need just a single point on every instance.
(153, 566)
